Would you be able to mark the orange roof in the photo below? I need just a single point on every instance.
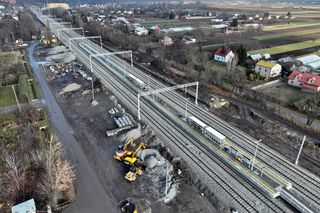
(305, 77)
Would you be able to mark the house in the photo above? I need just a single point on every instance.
(141, 31)
(219, 26)
(57, 5)
(120, 20)
(304, 80)
(268, 69)
(189, 39)
(27, 206)
(223, 55)
(166, 40)
(155, 30)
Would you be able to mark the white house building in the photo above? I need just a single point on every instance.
(189, 39)
(141, 31)
(267, 69)
(223, 56)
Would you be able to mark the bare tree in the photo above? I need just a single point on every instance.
(59, 176)
(312, 107)
(27, 26)
(236, 75)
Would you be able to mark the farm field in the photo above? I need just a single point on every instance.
(288, 47)
(6, 96)
(13, 71)
(296, 24)
(283, 35)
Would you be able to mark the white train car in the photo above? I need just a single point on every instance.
(214, 135)
(138, 82)
(197, 124)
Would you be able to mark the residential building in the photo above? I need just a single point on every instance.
(223, 55)
(219, 26)
(10, 1)
(166, 40)
(304, 80)
(189, 39)
(27, 206)
(57, 5)
(141, 31)
(120, 20)
(268, 69)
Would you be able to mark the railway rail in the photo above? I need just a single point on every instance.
(214, 121)
(305, 184)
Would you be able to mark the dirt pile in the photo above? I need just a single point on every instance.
(62, 57)
(57, 50)
(218, 103)
(71, 88)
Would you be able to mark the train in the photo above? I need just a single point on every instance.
(219, 139)
(136, 81)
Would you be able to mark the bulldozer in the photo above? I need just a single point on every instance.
(122, 150)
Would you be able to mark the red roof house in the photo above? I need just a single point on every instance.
(223, 55)
(305, 80)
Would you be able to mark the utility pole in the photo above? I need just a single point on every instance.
(255, 154)
(92, 89)
(187, 99)
(303, 140)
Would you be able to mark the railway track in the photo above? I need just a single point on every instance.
(307, 185)
(310, 196)
(177, 99)
(207, 169)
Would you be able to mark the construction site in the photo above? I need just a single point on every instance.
(129, 158)
(153, 147)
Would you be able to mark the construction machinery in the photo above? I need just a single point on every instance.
(127, 206)
(135, 167)
(133, 173)
(131, 156)
(123, 150)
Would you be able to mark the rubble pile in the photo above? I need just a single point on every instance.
(218, 103)
(73, 87)
(57, 50)
(66, 57)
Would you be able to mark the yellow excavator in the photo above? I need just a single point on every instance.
(135, 166)
(123, 150)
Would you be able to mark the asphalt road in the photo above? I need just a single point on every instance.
(91, 197)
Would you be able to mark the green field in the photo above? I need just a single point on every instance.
(286, 93)
(288, 34)
(288, 47)
(11, 63)
(299, 24)
(6, 96)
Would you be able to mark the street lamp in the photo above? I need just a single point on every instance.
(255, 154)
(303, 140)
(92, 89)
